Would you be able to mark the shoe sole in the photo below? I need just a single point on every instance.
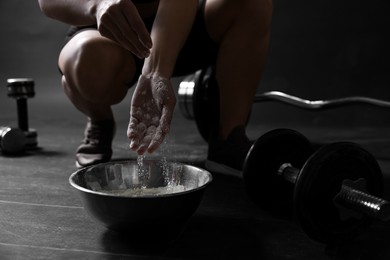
(79, 166)
(104, 159)
(222, 169)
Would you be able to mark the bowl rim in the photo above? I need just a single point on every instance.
(82, 189)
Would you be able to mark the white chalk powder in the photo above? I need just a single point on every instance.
(140, 192)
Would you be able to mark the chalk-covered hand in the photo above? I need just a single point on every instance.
(151, 113)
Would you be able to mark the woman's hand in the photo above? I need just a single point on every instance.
(151, 113)
(120, 21)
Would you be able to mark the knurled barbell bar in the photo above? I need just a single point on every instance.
(198, 99)
(21, 89)
(334, 192)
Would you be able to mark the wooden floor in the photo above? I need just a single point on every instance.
(41, 216)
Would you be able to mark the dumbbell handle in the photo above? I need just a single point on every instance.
(22, 113)
(318, 104)
(363, 202)
(348, 197)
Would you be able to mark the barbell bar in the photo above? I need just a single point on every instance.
(198, 100)
(319, 104)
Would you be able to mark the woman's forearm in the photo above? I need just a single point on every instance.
(172, 25)
(74, 12)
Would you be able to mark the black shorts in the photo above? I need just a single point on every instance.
(198, 52)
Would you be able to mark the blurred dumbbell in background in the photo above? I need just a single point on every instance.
(15, 140)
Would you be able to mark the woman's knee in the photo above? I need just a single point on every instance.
(98, 68)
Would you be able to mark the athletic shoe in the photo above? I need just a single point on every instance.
(96, 145)
(228, 156)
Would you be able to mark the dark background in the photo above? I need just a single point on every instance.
(319, 50)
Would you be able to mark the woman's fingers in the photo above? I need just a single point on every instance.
(122, 23)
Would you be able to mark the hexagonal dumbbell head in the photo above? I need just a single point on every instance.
(20, 88)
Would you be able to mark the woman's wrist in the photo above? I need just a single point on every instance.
(152, 68)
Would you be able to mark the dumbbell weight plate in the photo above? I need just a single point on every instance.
(320, 181)
(12, 140)
(205, 102)
(263, 184)
(185, 95)
(32, 139)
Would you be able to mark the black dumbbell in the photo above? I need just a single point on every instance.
(21, 89)
(12, 140)
(334, 192)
